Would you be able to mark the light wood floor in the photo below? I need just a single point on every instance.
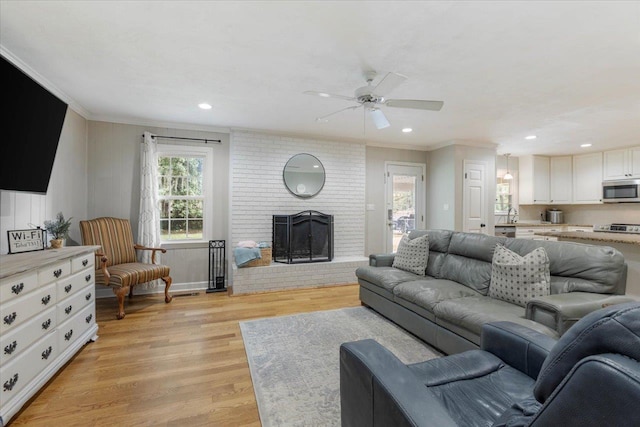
(177, 364)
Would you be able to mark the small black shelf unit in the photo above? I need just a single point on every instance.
(217, 266)
(303, 237)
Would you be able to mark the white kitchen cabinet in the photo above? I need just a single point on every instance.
(587, 178)
(581, 229)
(534, 180)
(529, 232)
(622, 164)
(560, 180)
(47, 314)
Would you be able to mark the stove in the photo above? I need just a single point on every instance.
(618, 228)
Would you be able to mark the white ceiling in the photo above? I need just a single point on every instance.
(568, 72)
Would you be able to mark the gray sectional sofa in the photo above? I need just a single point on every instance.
(448, 306)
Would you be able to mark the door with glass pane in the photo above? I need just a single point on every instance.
(404, 201)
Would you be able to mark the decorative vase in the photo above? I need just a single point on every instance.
(56, 243)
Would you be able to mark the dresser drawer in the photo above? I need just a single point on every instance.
(54, 272)
(76, 326)
(17, 286)
(20, 310)
(17, 373)
(81, 262)
(70, 306)
(19, 339)
(72, 284)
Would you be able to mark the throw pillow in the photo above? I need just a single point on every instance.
(412, 255)
(518, 279)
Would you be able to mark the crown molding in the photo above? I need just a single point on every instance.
(159, 124)
(29, 71)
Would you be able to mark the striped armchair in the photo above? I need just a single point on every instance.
(117, 265)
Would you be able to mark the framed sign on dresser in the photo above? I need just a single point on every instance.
(47, 314)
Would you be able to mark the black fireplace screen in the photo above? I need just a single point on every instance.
(304, 237)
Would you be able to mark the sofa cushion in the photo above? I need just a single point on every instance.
(412, 255)
(470, 272)
(385, 277)
(518, 279)
(605, 272)
(438, 247)
(428, 292)
(470, 313)
(475, 386)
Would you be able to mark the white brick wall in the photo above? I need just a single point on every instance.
(341, 271)
(258, 191)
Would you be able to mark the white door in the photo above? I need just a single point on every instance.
(404, 198)
(474, 200)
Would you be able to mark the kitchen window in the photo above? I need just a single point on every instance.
(184, 192)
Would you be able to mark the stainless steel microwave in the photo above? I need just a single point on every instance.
(625, 191)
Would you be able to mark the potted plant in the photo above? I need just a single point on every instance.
(58, 229)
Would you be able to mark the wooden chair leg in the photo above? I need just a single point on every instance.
(120, 294)
(131, 292)
(167, 280)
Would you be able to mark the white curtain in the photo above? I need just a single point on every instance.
(148, 223)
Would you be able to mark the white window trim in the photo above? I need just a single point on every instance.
(207, 189)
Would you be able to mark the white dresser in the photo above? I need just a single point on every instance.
(47, 314)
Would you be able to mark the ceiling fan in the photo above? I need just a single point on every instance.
(372, 97)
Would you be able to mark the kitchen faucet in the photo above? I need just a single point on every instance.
(511, 209)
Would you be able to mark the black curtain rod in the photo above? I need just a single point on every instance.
(206, 141)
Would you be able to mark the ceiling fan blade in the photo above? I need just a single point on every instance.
(379, 118)
(324, 118)
(328, 95)
(417, 104)
(389, 83)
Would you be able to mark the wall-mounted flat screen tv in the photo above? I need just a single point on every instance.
(32, 122)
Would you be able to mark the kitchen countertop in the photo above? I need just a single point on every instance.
(541, 224)
(632, 239)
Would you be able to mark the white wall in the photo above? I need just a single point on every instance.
(114, 189)
(446, 185)
(441, 194)
(67, 192)
(258, 191)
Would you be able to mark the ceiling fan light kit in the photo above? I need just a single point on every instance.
(372, 97)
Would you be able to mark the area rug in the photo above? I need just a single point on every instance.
(294, 361)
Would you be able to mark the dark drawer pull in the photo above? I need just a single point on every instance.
(16, 289)
(10, 318)
(10, 348)
(57, 273)
(47, 353)
(68, 309)
(85, 262)
(46, 324)
(87, 277)
(67, 336)
(9, 384)
(88, 318)
(88, 296)
(45, 300)
(67, 288)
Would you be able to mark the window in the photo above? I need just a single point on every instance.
(184, 189)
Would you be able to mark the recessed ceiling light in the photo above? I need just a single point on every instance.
(585, 145)
(205, 106)
(407, 130)
(530, 137)
(324, 95)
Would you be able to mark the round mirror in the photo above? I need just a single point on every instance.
(303, 175)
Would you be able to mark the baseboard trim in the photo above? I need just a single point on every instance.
(106, 292)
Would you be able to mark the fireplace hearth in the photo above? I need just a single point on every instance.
(303, 237)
